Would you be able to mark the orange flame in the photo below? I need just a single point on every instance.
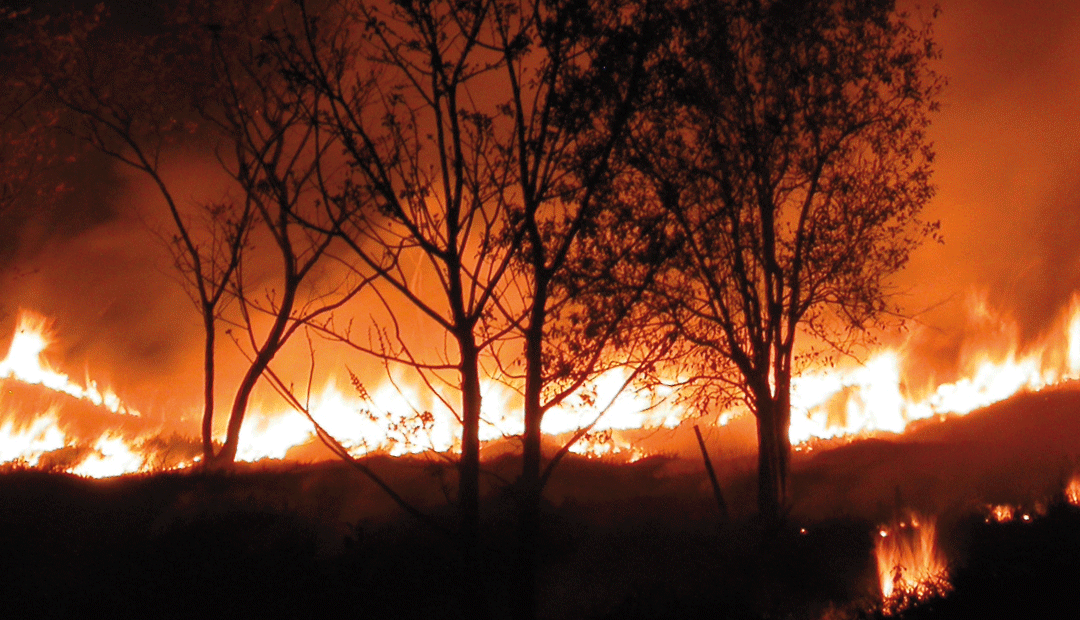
(1072, 491)
(111, 454)
(398, 417)
(26, 445)
(111, 457)
(872, 397)
(1000, 513)
(910, 566)
(24, 363)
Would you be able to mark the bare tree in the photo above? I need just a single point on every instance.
(185, 80)
(131, 112)
(280, 158)
(791, 163)
(398, 84)
(576, 72)
(485, 132)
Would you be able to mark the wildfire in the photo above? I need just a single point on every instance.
(24, 363)
(873, 398)
(28, 444)
(111, 457)
(398, 417)
(1072, 491)
(910, 566)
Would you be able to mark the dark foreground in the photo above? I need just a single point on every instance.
(290, 543)
(271, 543)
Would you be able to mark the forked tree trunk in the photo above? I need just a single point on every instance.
(227, 455)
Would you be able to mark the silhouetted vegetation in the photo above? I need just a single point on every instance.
(292, 542)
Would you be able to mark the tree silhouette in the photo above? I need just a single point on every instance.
(29, 150)
(787, 151)
(487, 133)
(208, 80)
(130, 113)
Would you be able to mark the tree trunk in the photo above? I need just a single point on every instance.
(208, 387)
(774, 450)
(529, 485)
(783, 437)
(469, 465)
(227, 455)
(770, 487)
(469, 480)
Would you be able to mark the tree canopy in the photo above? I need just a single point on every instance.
(788, 154)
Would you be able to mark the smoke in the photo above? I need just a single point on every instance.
(1007, 139)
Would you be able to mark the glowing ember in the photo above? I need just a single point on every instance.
(1001, 513)
(607, 444)
(910, 566)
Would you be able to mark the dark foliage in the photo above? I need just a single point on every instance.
(258, 545)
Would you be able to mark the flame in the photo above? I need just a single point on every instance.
(24, 363)
(910, 566)
(873, 398)
(111, 454)
(1000, 513)
(1072, 491)
(111, 457)
(399, 416)
(26, 445)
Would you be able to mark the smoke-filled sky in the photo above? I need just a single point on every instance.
(1007, 174)
(1007, 139)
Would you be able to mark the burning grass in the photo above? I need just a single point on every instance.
(626, 536)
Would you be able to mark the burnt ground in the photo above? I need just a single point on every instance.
(638, 540)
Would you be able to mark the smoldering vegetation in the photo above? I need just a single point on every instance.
(620, 540)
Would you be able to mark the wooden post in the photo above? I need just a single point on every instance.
(712, 477)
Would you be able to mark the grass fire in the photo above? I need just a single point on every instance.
(557, 309)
